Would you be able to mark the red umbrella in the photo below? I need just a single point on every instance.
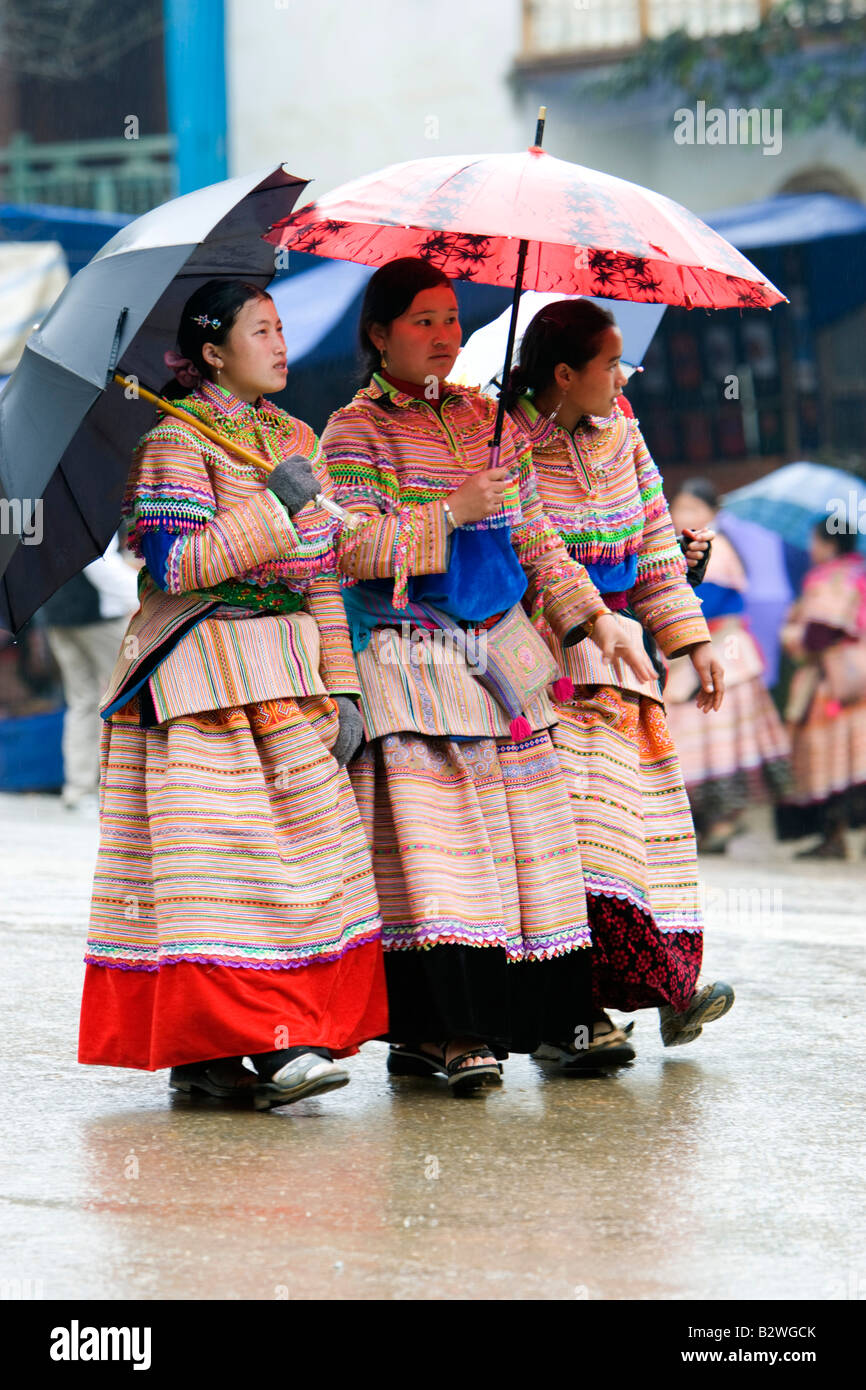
(530, 221)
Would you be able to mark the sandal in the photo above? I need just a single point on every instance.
(463, 1080)
(411, 1059)
(225, 1078)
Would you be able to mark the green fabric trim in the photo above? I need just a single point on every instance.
(275, 599)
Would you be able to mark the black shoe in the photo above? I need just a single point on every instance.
(224, 1078)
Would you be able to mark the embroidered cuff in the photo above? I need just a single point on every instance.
(675, 626)
(570, 607)
(336, 663)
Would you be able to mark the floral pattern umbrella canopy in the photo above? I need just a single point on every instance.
(587, 232)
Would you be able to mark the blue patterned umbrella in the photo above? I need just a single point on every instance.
(791, 499)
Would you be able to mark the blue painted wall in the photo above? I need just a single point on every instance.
(195, 75)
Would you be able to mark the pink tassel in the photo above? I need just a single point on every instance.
(520, 729)
(563, 689)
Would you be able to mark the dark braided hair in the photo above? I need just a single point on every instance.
(388, 295)
(569, 331)
(702, 489)
(844, 541)
(216, 299)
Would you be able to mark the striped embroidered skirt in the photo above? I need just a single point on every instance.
(477, 866)
(739, 753)
(234, 909)
(637, 846)
(828, 759)
(733, 756)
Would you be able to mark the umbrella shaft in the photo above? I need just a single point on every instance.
(509, 351)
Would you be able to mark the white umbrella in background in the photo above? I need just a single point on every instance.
(480, 359)
(32, 274)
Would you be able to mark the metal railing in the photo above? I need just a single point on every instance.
(115, 175)
(552, 27)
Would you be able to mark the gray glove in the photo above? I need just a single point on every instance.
(294, 482)
(351, 734)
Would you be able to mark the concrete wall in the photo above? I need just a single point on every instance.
(337, 88)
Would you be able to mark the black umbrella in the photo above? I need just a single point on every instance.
(66, 433)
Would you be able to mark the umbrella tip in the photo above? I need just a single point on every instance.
(535, 147)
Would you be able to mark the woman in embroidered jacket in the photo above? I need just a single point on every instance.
(475, 853)
(234, 909)
(740, 756)
(825, 635)
(602, 492)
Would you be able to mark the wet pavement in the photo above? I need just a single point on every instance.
(727, 1169)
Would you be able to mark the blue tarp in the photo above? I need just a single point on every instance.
(314, 303)
(831, 232)
(789, 218)
(30, 753)
(80, 232)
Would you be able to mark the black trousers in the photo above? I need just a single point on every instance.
(444, 992)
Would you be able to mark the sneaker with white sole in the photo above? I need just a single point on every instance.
(306, 1075)
(705, 1006)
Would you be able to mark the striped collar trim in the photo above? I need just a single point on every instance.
(223, 402)
(379, 387)
(541, 428)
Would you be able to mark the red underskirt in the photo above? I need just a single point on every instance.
(190, 1012)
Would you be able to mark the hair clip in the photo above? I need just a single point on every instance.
(204, 322)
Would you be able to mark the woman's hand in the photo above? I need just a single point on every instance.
(698, 541)
(615, 645)
(711, 675)
(480, 495)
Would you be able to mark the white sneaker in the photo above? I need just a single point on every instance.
(307, 1075)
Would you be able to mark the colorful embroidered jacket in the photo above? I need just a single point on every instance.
(234, 607)
(393, 459)
(603, 493)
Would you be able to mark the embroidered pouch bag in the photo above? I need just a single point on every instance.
(515, 664)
